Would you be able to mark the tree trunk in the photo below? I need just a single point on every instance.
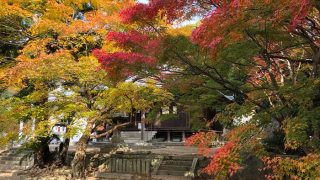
(316, 61)
(131, 114)
(63, 151)
(135, 119)
(79, 160)
(42, 155)
(116, 127)
(316, 131)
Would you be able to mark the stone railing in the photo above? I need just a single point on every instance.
(131, 163)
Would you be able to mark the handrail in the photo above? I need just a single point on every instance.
(156, 168)
(193, 166)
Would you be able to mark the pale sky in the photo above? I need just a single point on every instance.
(192, 21)
(143, 1)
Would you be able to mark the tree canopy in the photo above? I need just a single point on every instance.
(256, 60)
(261, 57)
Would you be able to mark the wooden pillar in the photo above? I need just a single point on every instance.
(168, 136)
(33, 126)
(183, 136)
(143, 117)
(171, 109)
(21, 130)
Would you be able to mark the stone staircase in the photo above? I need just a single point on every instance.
(135, 136)
(15, 160)
(177, 166)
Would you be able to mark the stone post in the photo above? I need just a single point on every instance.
(168, 136)
(183, 136)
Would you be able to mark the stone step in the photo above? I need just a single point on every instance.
(170, 172)
(168, 177)
(183, 158)
(10, 158)
(6, 171)
(174, 167)
(177, 163)
(13, 162)
(46, 178)
(6, 175)
(12, 174)
(118, 176)
(135, 136)
(135, 139)
(5, 167)
(17, 154)
(15, 150)
(128, 132)
(131, 137)
(114, 176)
(137, 133)
(165, 143)
(131, 141)
(11, 167)
(15, 158)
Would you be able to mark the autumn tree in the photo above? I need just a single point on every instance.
(52, 44)
(263, 55)
(56, 79)
(124, 97)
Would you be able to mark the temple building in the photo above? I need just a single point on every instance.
(171, 125)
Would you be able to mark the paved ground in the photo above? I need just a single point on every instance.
(164, 148)
(157, 149)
